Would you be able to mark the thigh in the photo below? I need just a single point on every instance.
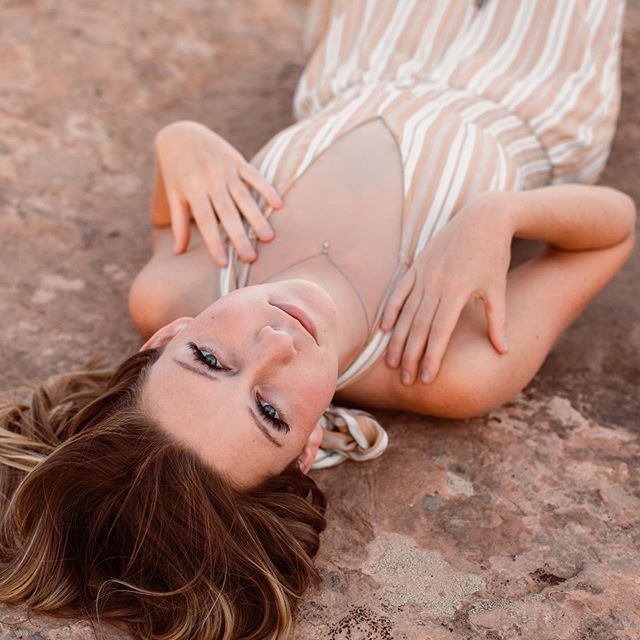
(544, 296)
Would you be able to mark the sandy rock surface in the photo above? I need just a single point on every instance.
(524, 523)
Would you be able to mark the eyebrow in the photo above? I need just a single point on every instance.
(211, 376)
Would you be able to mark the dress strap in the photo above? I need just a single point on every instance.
(351, 434)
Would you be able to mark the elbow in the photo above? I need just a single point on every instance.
(631, 214)
(625, 248)
(147, 305)
(462, 399)
(627, 208)
(468, 407)
(139, 316)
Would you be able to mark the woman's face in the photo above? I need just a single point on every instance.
(244, 383)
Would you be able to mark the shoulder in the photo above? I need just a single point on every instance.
(169, 286)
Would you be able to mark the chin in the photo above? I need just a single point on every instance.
(319, 301)
(315, 289)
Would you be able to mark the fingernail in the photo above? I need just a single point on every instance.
(505, 344)
(392, 361)
(248, 255)
(406, 377)
(425, 376)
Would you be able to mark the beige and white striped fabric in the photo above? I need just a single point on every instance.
(492, 95)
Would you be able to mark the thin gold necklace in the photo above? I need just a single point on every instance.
(325, 251)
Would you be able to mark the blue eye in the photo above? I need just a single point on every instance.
(271, 414)
(208, 359)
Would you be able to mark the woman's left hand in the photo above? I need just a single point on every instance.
(469, 258)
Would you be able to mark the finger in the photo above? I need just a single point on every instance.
(495, 309)
(180, 219)
(403, 325)
(444, 322)
(250, 210)
(229, 216)
(254, 178)
(208, 226)
(418, 334)
(397, 298)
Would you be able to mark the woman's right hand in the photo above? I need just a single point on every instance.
(205, 177)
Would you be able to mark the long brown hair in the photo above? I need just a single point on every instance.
(105, 516)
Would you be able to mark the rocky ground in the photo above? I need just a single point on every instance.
(524, 523)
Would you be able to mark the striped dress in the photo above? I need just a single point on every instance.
(493, 95)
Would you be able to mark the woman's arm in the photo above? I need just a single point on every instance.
(469, 259)
(159, 211)
(568, 216)
(544, 296)
(590, 233)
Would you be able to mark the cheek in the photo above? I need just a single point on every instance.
(312, 386)
(321, 386)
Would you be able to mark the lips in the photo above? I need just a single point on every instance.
(302, 317)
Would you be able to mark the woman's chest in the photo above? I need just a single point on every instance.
(352, 197)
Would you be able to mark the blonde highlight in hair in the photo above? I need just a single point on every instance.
(106, 517)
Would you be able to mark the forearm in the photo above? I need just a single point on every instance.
(569, 216)
(159, 211)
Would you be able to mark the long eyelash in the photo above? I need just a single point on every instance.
(281, 425)
(198, 354)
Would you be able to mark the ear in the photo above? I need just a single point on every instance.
(308, 455)
(164, 334)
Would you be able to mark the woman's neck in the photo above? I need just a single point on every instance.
(352, 319)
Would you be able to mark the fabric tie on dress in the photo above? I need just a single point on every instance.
(351, 434)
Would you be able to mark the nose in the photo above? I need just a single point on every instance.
(276, 344)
